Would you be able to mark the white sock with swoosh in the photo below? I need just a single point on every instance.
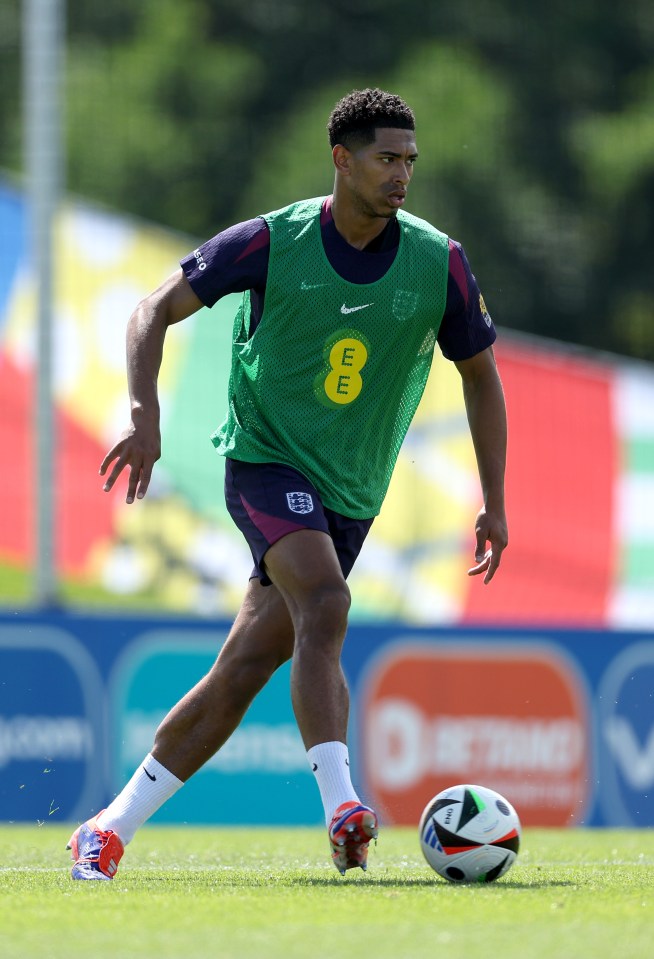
(148, 789)
(330, 763)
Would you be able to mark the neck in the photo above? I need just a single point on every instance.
(355, 226)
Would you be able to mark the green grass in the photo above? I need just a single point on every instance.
(271, 893)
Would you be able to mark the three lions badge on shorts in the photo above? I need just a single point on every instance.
(300, 502)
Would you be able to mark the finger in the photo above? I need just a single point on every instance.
(115, 473)
(134, 477)
(109, 458)
(496, 556)
(482, 539)
(146, 476)
(482, 564)
(492, 566)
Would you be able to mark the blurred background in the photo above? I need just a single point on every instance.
(131, 132)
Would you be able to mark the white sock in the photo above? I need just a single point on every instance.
(330, 763)
(148, 789)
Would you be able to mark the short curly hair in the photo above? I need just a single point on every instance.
(355, 118)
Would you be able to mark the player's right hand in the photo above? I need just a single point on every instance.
(139, 450)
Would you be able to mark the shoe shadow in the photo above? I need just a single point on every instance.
(258, 879)
(414, 883)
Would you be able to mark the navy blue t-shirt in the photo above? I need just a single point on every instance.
(237, 259)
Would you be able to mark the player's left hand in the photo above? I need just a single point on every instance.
(490, 527)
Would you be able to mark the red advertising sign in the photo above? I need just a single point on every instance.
(511, 718)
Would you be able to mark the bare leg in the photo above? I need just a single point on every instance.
(304, 616)
(260, 640)
(305, 569)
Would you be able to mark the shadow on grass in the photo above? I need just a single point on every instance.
(272, 880)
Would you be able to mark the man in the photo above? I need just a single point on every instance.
(344, 300)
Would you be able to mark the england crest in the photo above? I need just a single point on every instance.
(300, 502)
(405, 303)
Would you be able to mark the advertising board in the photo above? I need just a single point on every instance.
(561, 722)
(515, 720)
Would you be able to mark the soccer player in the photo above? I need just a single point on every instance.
(344, 299)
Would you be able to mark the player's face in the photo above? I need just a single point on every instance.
(380, 172)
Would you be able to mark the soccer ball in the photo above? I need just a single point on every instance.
(470, 834)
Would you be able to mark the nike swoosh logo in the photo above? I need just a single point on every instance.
(149, 775)
(353, 309)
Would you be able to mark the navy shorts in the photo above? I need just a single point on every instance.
(267, 501)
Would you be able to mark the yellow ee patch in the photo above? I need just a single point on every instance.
(341, 382)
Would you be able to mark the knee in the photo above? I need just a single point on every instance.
(259, 643)
(244, 674)
(324, 611)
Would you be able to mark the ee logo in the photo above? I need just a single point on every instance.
(341, 381)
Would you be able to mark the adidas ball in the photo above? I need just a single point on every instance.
(470, 834)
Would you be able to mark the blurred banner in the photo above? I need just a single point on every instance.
(579, 488)
(560, 722)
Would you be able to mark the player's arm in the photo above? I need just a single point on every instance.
(139, 447)
(486, 410)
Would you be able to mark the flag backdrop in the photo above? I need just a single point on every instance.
(580, 479)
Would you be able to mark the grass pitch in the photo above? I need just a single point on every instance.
(273, 894)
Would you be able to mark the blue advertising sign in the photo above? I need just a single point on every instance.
(625, 716)
(264, 757)
(52, 744)
(563, 719)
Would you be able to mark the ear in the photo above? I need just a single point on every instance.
(341, 156)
